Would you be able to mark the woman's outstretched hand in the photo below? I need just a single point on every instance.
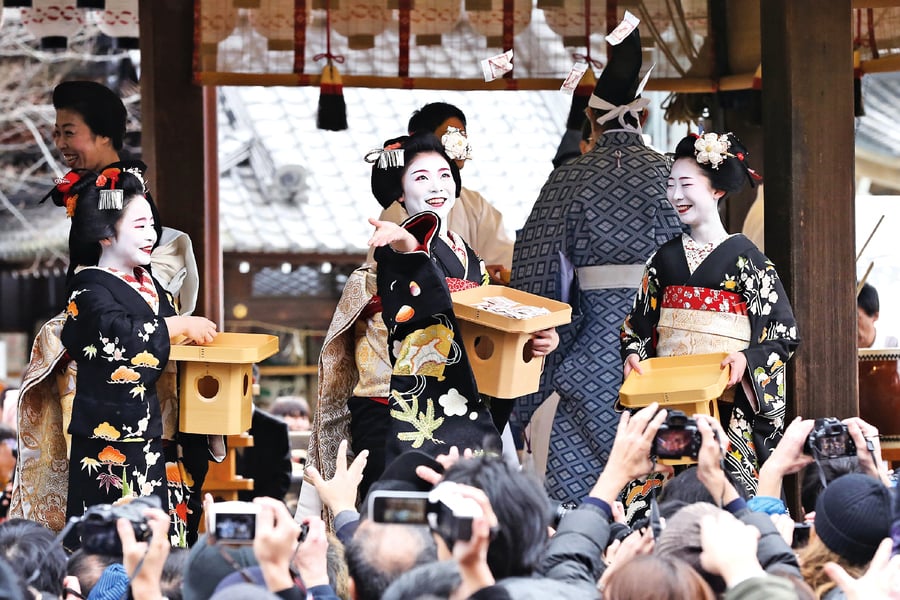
(387, 232)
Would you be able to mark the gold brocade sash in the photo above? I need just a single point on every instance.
(684, 331)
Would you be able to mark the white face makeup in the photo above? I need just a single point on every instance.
(135, 237)
(428, 185)
(690, 192)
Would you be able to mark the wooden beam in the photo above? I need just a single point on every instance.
(173, 136)
(807, 113)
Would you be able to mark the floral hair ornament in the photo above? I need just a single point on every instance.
(456, 144)
(390, 156)
(63, 190)
(712, 149)
(111, 199)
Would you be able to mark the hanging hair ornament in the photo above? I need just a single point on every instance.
(456, 144)
(390, 156)
(111, 199)
(712, 149)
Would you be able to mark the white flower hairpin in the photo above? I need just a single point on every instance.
(456, 144)
(712, 149)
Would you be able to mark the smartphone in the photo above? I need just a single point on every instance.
(407, 508)
(801, 535)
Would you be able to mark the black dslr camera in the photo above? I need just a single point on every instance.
(678, 437)
(829, 438)
(97, 527)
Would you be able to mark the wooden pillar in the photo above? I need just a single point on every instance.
(809, 140)
(173, 139)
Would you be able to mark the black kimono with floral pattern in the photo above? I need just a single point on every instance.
(434, 401)
(736, 265)
(121, 345)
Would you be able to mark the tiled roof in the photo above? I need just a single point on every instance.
(514, 136)
(877, 131)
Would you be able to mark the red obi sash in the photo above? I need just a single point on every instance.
(700, 298)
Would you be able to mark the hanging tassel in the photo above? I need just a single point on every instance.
(332, 113)
(858, 109)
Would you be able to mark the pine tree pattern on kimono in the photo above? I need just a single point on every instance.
(434, 400)
(736, 266)
(121, 345)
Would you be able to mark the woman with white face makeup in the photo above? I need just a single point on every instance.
(408, 384)
(714, 292)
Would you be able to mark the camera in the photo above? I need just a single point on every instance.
(561, 510)
(444, 510)
(829, 438)
(97, 527)
(404, 508)
(450, 514)
(232, 522)
(677, 437)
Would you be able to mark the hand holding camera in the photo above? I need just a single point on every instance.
(868, 448)
(710, 460)
(787, 457)
(144, 560)
(630, 454)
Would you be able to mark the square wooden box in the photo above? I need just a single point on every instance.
(216, 381)
(691, 383)
(496, 344)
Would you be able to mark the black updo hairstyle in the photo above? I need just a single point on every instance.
(732, 173)
(387, 183)
(100, 107)
(90, 223)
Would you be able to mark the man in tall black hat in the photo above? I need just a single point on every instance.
(597, 220)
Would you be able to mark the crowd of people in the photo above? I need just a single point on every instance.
(411, 490)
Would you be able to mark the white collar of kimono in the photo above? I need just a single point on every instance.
(633, 108)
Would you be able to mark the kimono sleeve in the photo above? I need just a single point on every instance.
(773, 330)
(638, 333)
(96, 322)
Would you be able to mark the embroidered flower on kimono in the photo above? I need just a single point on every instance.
(729, 284)
(712, 149)
(105, 431)
(110, 455)
(72, 309)
(89, 464)
(456, 144)
(454, 403)
(112, 351)
(90, 351)
(181, 510)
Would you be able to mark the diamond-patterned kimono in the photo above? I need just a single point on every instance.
(601, 215)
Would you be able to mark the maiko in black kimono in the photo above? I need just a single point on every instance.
(116, 333)
(733, 300)
(434, 400)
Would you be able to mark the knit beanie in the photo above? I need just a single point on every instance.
(853, 516)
